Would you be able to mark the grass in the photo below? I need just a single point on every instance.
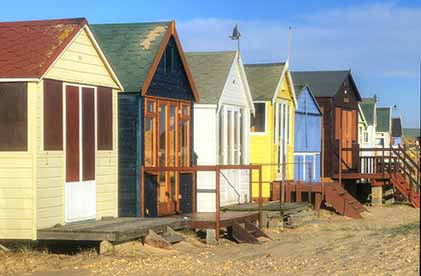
(403, 230)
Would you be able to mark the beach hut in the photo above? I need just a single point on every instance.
(338, 97)
(58, 127)
(155, 118)
(383, 126)
(368, 136)
(272, 126)
(396, 131)
(308, 136)
(221, 126)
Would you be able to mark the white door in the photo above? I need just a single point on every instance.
(80, 140)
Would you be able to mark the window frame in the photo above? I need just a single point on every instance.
(260, 133)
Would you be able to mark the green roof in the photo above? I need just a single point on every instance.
(383, 119)
(368, 106)
(263, 79)
(322, 83)
(130, 48)
(210, 71)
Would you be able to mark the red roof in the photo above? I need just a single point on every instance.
(28, 48)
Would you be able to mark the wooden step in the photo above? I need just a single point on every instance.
(172, 236)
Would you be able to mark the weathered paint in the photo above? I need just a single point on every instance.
(263, 149)
(32, 182)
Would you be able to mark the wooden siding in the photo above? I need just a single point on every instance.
(81, 63)
(234, 92)
(263, 150)
(17, 184)
(205, 148)
(107, 172)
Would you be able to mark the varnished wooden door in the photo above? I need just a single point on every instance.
(345, 129)
(168, 182)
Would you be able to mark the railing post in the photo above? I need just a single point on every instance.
(251, 185)
(217, 202)
(142, 191)
(260, 198)
(194, 194)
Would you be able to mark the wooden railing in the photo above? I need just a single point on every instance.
(387, 161)
(214, 168)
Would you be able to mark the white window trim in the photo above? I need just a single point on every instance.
(261, 133)
(233, 150)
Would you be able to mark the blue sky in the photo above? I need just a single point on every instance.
(379, 40)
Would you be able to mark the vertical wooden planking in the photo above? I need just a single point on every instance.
(88, 133)
(72, 134)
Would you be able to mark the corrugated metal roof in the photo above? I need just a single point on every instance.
(28, 48)
(210, 71)
(131, 49)
(263, 79)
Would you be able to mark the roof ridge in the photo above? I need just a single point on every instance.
(265, 64)
(208, 52)
(132, 23)
(77, 20)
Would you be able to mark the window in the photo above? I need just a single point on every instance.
(150, 133)
(105, 118)
(365, 136)
(380, 142)
(230, 137)
(13, 117)
(258, 121)
(53, 115)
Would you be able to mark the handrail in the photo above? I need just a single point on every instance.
(209, 168)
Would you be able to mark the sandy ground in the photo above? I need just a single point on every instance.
(385, 242)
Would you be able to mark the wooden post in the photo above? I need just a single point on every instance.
(251, 185)
(310, 177)
(194, 194)
(260, 198)
(383, 160)
(142, 191)
(282, 199)
(340, 149)
(322, 157)
(217, 202)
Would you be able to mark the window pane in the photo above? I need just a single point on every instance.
(236, 138)
(149, 141)
(221, 137)
(172, 135)
(105, 118)
(53, 115)
(184, 133)
(150, 106)
(13, 117)
(162, 135)
(257, 122)
(229, 137)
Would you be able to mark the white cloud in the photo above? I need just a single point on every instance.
(380, 40)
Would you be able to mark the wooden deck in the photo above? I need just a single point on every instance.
(227, 219)
(357, 176)
(125, 229)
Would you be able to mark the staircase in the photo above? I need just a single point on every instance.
(400, 183)
(247, 232)
(343, 202)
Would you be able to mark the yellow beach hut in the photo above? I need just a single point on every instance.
(58, 127)
(272, 127)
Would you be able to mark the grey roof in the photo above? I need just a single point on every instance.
(130, 48)
(368, 106)
(396, 127)
(263, 79)
(322, 83)
(383, 119)
(210, 71)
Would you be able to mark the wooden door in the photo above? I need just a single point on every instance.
(347, 133)
(168, 201)
(80, 190)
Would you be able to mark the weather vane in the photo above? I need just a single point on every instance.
(236, 36)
